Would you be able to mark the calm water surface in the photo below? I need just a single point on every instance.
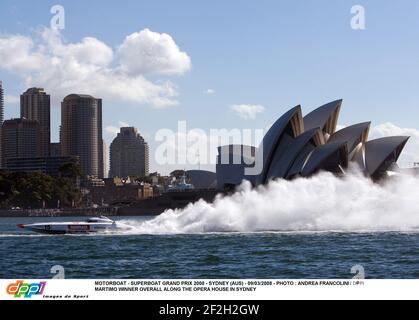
(223, 255)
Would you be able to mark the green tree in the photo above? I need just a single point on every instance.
(33, 190)
(177, 173)
(71, 169)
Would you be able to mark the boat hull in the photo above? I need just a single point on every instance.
(72, 228)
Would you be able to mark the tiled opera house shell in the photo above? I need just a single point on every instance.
(297, 146)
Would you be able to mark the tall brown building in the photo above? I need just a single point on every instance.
(129, 155)
(35, 105)
(55, 149)
(81, 132)
(1, 115)
(20, 138)
(104, 174)
(1, 103)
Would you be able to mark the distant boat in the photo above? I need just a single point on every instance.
(181, 185)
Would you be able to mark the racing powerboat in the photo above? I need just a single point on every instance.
(91, 225)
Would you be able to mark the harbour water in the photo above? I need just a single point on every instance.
(281, 255)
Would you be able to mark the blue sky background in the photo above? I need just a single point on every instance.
(274, 53)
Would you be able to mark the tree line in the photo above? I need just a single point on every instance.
(37, 190)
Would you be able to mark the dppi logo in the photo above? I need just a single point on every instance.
(27, 290)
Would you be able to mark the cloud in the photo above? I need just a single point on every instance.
(209, 92)
(247, 111)
(91, 66)
(151, 52)
(114, 130)
(410, 153)
(17, 55)
(123, 124)
(10, 99)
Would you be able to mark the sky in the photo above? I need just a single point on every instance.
(217, 64)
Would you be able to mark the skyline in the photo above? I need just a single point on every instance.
(274, 59)
(129, 156)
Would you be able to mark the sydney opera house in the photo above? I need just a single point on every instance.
(297, 146)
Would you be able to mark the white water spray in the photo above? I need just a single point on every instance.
(321, 203)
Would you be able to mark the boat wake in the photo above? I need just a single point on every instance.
(20, 235)
(323, 203)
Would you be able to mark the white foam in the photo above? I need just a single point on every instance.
(322, 203)
(17, 235)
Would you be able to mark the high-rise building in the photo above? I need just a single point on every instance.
(55, 149)
(100, 141)
(1, 103)
(129, 154)
(81, 132)
(35, 105)
(20, 138)
(104, 174)
(1, 117)
(49, 165)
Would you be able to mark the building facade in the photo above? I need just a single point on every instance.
(81, 132)
(129, 155)
(35, 104)
(48, 165)
(1, 103)
(111, 194)
(55, 149)
(103, 173)
(20, 138)
(1, 116)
